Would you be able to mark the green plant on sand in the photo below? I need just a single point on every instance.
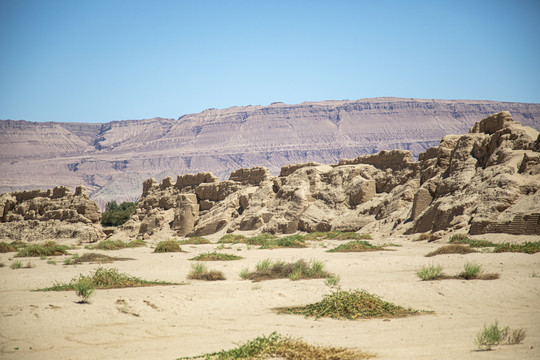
(84, 289)
(352, 305)
(216, 256)
(167, 246)
(50, 248)
(356, 246)
(117, 244)
(430, 272)
(268, 270)
(200, 272)
(104, 278)
(276, 346)
(494, 335)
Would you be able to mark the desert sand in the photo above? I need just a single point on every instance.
(198, 317)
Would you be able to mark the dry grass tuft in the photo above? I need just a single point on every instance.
(195, 240)
(50, 248)
(5, 247)
(215, 256)
(451, 249)
(167, 246)
(356, 246)
(117, 244)
(200, 272)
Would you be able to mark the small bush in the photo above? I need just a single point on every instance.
(68, 261)
(491, 336)
(276, 346)
(84, 289)
(463, 239)
(16, 265)
(292, 241)
(232, 239)
(215, 256)
(195, 240)
(116, 215)
(50, 248)
(471, 271)
(526, 247)
(336, 235)
(200, 272)
(352, 305)
(97, 258)
(168, 246)
(333, 280)
(5, 247)
(516, 337)
(117, 244)
(431, 272)
(268, 270)
(107, 279)
(51, 261)
(356, 246)
(451, 249)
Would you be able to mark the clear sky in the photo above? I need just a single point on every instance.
(104, 60)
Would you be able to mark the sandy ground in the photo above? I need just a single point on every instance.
(168, 322)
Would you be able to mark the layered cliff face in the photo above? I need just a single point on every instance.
(484, 181)
(112, 160)
(52, 214)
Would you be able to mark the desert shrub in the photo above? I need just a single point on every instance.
(471, 271)
(526, 247)
(5, 247)
(291, 241)
(267, 270)
(333, 280)
(50, 248)
(195, 240)
(51, 261)
(97, 258)
(490, 336)
(431, 272)
(200, 272)
(167, 246)
(107, 279)
(84, 288)
(232, 239)
(352, 305)
(215, 256)
(463, 239)
(451, 249)
(336, 235)
(356, 246)
(117, 244)
(275, 346)
(16, 265)
(515, 337)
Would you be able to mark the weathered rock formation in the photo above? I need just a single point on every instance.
(113, 159)
(57, 213)
(484, 181)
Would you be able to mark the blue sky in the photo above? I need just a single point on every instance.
(98, 61)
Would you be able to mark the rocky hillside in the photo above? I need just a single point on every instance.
(112, 160)
(487, 180)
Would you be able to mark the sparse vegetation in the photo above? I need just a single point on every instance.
(5, 247)
(51, 261)
(494, 335)
(195, 240)
(200, 272)
(292, 241)
(356, 246)
(430, 272)
(333, 280)
(50, 248)
(115, 214)
(268, 270)
(232, 239)
(96, 258)
(16, 265)
(336, 235)
(529, 247)
(216, 256)
(534, 274)
(471, 271)
(352, 305)
(107, 279)
(277, 346)
(451, 249)
(116, 244)
(84, 288)
(168, 246)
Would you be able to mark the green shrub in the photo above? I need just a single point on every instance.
(107, 279)
(267, 270)
(215, 256)
(276, 346)
(5, 247)
(471, 271)
(116, 215)
(117, 244)
(350, 305)
(168, 246)
(195, 240)
(50, 248)
(333, 280)
(526, 247)
(356, 246)
(200, 272)
(491, 336)
(84, 289)
(431, 272)
(16, 265)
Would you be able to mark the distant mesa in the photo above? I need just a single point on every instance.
(486, 180)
